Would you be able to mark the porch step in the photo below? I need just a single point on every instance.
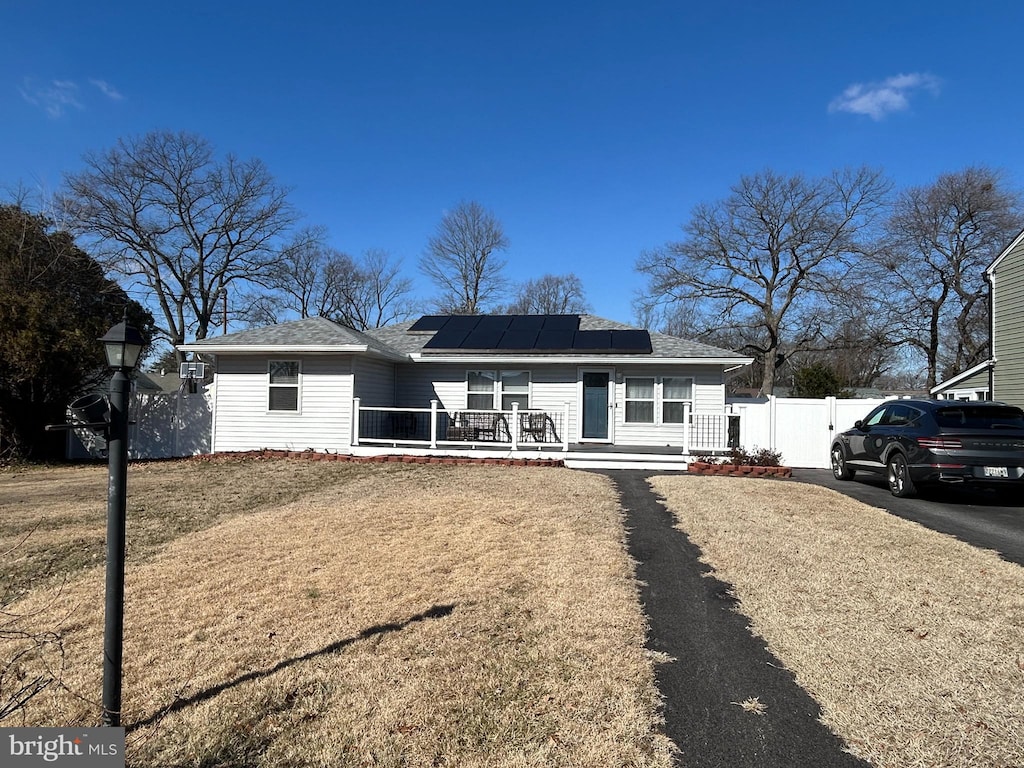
(651, 461)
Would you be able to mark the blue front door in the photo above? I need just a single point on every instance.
(596, 405)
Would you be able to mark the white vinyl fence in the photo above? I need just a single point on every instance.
(163, 425)
(801, 429)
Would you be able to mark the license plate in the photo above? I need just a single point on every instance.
(995, 472)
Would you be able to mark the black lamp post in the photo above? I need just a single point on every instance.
(122, 344)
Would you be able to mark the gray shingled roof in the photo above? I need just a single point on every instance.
(310, 331)
(396, 340)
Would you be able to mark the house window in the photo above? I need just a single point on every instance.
(515, 388)
(490, 390)
(676, 392)
(480, 390)
(640, 400)
(284, 385)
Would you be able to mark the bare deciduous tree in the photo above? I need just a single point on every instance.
(315, 280)
(761, 262)
(550, 295)
(461, 259)
(372, 291)
(940, 239)
(193, 230)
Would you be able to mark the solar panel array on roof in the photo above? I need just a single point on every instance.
(527, 333)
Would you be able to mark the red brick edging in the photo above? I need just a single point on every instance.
(379, 459)
(737, 470)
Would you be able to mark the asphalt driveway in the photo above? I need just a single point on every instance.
(979, 517)
(712, 662)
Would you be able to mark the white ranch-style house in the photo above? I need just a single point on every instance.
(590, 391)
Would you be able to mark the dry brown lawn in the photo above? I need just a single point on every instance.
(285, 613)
(911, 641)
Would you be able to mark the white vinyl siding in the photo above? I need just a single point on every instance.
(244, 422)
(374, 381)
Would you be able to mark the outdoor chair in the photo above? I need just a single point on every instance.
(496, 429)
(534, 426)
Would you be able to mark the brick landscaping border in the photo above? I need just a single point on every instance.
(383, 458)
(737, 470)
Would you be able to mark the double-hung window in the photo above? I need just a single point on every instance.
(497, 390)
(480, 390)
(515, 388)
(676, 392)
(283, 388)
(640, 400)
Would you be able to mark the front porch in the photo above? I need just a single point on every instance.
(532, 434)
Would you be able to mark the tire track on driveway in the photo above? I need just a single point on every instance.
(717, 662)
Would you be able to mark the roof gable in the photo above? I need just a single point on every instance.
(1006, 251)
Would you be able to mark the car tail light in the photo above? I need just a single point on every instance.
(939, 443)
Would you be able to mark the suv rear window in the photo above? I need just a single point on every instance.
(981, 417)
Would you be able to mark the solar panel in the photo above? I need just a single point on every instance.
(554, 340)
(482, 338)
(429, 323)
(527, 322)
(592, 341)
(447, 338)
(518, 339)
(634, 341)
(561, 322)
(527, 333)
(462, 322)
(498, 323)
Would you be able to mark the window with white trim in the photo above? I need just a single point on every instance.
(497, 390)
(676, 392)
(639, 400)
(480, 390)
(515, 388)
(283, 385)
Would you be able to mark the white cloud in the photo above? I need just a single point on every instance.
(879, 99)
(55, 97)
(107, 89)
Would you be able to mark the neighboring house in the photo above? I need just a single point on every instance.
(499, 385)
(972, 384)
(1006, 282)
(1001, 377)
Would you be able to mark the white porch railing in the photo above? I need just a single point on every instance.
(710, 432)
(515, 429)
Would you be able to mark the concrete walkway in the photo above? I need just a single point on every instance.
(718, 662)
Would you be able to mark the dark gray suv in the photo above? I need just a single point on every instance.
(924, 442)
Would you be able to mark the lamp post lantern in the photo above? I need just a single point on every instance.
(122, 345)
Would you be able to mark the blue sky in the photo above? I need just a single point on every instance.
(589, 129)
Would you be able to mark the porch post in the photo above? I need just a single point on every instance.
(355, 421)
(686, 429)
(514, 426)
(565, 428)
(433, 423)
